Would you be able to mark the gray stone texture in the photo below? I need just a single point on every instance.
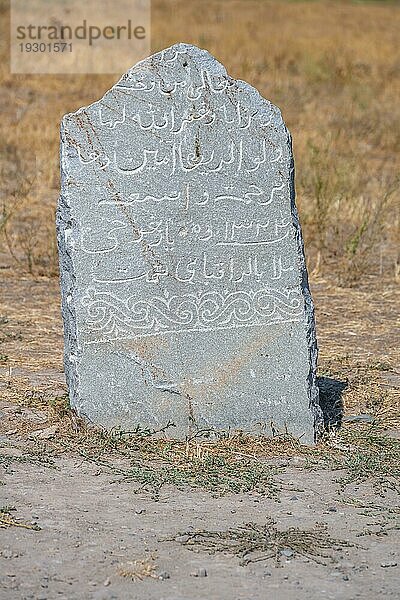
(184, 287)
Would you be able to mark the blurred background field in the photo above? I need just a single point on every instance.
(332, 67)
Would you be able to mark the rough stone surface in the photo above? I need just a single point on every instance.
(184, 287)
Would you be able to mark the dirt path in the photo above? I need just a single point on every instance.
(92, 528)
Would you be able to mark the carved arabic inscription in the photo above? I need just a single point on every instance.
(193, 235)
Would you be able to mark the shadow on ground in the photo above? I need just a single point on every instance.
(331, 402)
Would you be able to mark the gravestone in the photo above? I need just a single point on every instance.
(184, 286)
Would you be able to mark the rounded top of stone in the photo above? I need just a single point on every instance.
(169, 58)
(171, 63)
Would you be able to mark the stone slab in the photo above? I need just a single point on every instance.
(184, 286)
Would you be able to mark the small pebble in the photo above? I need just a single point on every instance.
(288, 552)
(44, 434)
(164, 575)
(7, 553)
(363, 418)
(107, 582)
(182, 539)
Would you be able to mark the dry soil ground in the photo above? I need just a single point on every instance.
(109, 529)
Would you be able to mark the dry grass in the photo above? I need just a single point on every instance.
(138, 570)
(252, 542)
(7, 519)
(384, 519)
(234, 463)
(333, 68)
(365, 454)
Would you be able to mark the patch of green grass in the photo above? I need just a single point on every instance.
(215, 473)
(156, 463)
(233, 463)
(383, 518)
(30, 455)
(366, 455)
(60, 406)
(228, 465)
